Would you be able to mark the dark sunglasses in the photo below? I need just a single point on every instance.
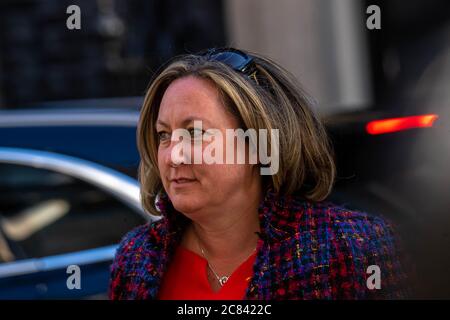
(235, 59)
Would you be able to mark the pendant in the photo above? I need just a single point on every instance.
(222, 280)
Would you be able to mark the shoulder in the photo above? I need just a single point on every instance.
(366, 236)
(136, 240)
(361, 245)
(351, 244)
(354, 225)
(141, 239)
(138, 248)
(327, 217)
(360, 235)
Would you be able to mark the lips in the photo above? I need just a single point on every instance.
(180, 181)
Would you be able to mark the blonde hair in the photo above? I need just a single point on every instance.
(272, 100)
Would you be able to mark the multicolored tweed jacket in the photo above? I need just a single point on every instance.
(305, 251)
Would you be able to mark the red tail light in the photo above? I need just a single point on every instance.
(399, 124)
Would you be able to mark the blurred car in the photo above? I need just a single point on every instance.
(57, 211)
(395, 163)
(103, 135)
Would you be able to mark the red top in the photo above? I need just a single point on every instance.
(186, 279)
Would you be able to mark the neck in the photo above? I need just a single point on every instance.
(230, 236)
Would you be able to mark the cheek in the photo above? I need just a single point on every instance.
(231, 175)
(221, 175)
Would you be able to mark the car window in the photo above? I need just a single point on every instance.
(44, 213)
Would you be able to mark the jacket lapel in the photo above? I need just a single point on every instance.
(271, 236)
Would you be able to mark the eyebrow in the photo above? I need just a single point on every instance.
(184, 122)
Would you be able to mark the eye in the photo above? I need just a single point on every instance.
(196, 133)
(163, 136)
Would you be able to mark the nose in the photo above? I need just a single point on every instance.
(176, 155)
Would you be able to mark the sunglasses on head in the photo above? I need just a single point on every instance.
(235, 59)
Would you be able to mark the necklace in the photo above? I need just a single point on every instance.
(221, 279)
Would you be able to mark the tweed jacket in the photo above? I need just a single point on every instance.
(305, 250)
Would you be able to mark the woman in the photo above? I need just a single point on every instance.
(228, 231)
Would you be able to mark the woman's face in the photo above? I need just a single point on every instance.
(196, 187)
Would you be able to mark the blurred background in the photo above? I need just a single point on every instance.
(70, 100)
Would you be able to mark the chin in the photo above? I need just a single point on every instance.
(185, 203)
